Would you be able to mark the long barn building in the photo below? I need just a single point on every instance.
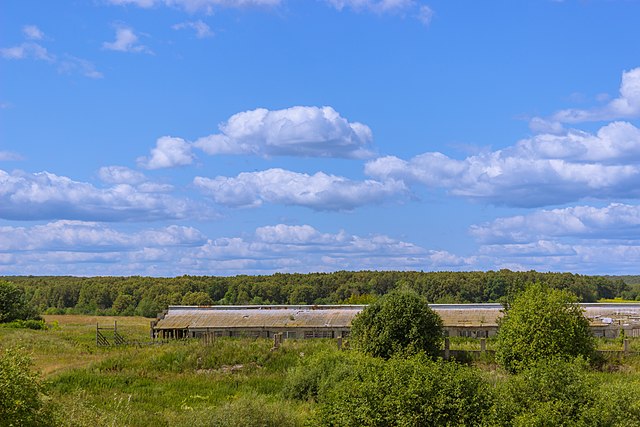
(332, 321)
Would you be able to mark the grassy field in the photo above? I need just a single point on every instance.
(184, 383)
(179, 383)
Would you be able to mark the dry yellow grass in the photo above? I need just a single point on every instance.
(70, 342)
(86, 320)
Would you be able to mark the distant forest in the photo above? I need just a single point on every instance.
(146, 296)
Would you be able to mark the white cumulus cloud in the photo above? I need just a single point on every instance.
(120, 175)
(615, 221)
(585, 257)
(169, 152)
(303, 248)
(83, 236)
(625, 106)
(295, 131)
(90, 248)
(319, 191)
(543, 170)
(584, 239)
(41, 196)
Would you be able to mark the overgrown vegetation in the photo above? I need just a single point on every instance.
(389, 377)
(306, 382)
(412, 391)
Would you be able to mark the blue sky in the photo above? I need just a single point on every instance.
(170, 137)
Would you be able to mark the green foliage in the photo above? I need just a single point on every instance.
(542, 323)
(399, 322)
(124, 305)
(13, 304)
(558, 392)
(196, 298)
(148, 296)
(148, 308)
(318, 374)
(305, 382)
(550, 392)
(27, 324)
(407, 392)
(21, 402)
(186, 384)
(616, 404)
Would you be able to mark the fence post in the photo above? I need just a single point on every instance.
(339, 341)
(277, 340)
(483, 345)
(626, 345)
(447, 353)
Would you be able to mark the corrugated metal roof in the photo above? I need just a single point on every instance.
(340, 316)
(258, 317)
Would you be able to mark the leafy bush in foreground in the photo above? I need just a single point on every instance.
(21, 401)
(552, 392)
(408, 392)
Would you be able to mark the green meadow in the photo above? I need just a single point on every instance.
(230, 382)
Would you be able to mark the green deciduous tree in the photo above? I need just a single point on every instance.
(197, 298)
(543, 323)
(398, 322)
(124, 305)
(13, 305)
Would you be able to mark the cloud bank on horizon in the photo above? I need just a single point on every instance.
(285, 169)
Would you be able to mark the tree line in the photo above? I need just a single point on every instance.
(146, 296)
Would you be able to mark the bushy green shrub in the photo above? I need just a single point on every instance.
(415, 391)
(399, 322)
(550, 392)
(21, 398)
(616, 403)
(26, 324)
(543, 323)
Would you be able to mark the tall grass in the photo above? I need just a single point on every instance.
(233, 381)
